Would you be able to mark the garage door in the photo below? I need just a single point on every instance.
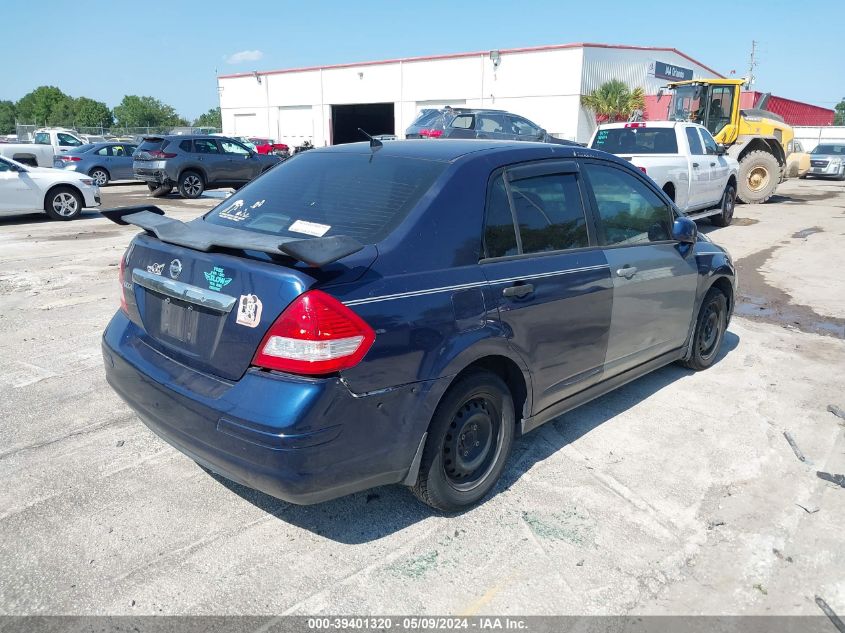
(245, 125)
(296, 124)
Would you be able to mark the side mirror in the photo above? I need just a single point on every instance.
(721, 150)
(685, 231)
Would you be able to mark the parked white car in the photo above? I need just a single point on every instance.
(683, 159)
(28, 154)
(61, 194)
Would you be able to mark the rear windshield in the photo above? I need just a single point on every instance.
(828, 149)
(152, 144)
(318, 194)
(641, 140)
(426, 117)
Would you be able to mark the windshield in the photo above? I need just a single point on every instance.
(686, 103)
(320, 194)
(829, 149)
(640, 140)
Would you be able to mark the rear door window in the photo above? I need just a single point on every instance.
(316, 194)
(206, 146)
(549, 213)
(103, 151)
(231, 147)
(695, 146)
(629, 211)
(185, 146)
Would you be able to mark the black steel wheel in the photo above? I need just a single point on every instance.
(469, 440)
(727, 207)
(710, 330)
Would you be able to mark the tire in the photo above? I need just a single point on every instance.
(759, 175)
(804, 177)
(63, 203)
(841, 175)
(191, 185)
(100, 176)
(158, 190)
(709, 332)
(728, 205)
(462, 462)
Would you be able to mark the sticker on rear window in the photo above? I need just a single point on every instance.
(309, 228)
(235, 212)
(249, 311)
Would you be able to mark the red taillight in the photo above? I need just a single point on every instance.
(69, 159)
(316, 334)
(157, 153)
(121, 274)
(643, 169)
(431, 133)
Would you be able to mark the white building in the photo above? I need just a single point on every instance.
(327, 104)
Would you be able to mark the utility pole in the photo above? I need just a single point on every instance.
(752, 64)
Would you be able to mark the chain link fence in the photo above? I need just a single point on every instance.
(26, 131)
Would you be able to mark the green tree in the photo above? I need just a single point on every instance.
(135, 111)
(839, 117)
(7, 117)
(211, 118)
(46, 105)
(90, 113)
(614, 100)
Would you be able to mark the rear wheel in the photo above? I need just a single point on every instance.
(191, 185)
(63, 203)
(158, 190)
(728, 204)
(469, 441)
(100, 176)
(709, 330)
(759, 174)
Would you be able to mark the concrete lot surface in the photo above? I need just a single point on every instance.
(676, 494)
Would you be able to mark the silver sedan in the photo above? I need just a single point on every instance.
(104, 162)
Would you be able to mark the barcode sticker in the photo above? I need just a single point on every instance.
(309, 228)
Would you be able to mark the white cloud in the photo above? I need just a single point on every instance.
(244, 56)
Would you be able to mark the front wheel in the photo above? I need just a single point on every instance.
(63, 203)
(469, 441)
(841, 175)
(728, 204)
(709, 330)
(759, 175)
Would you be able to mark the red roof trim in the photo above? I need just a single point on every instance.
(529, 49)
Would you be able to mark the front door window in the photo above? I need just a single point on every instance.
(719, 109)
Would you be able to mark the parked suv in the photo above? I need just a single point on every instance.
(196, 163)
(496, 125)
(336, 325)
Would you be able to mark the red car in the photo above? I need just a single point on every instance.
(268, 146)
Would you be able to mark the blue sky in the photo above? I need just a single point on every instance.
(171, 50)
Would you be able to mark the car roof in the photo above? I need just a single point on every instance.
(645, 124)
(449, 150)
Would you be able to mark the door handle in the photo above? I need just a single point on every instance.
(518, 291)
(627, 272)
(712, 164)
(695, 165)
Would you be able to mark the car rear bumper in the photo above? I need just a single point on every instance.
(299, 439)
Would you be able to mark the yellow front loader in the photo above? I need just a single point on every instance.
(756, 138)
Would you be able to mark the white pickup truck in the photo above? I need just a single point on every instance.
(28, 153)
(683, 159)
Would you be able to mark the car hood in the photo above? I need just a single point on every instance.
(827, 157)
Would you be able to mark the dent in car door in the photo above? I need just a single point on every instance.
(654, 277)
(553, 291)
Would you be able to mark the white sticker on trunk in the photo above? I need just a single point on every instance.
(309, 228)
(249, 311)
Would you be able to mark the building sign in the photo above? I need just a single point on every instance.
(662, 70)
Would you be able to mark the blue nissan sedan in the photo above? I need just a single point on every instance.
(371, 314)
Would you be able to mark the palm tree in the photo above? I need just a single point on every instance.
(613, 100)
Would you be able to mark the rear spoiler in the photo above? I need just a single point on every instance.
(203, 236)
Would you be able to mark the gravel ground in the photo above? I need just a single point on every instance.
(677, 494)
